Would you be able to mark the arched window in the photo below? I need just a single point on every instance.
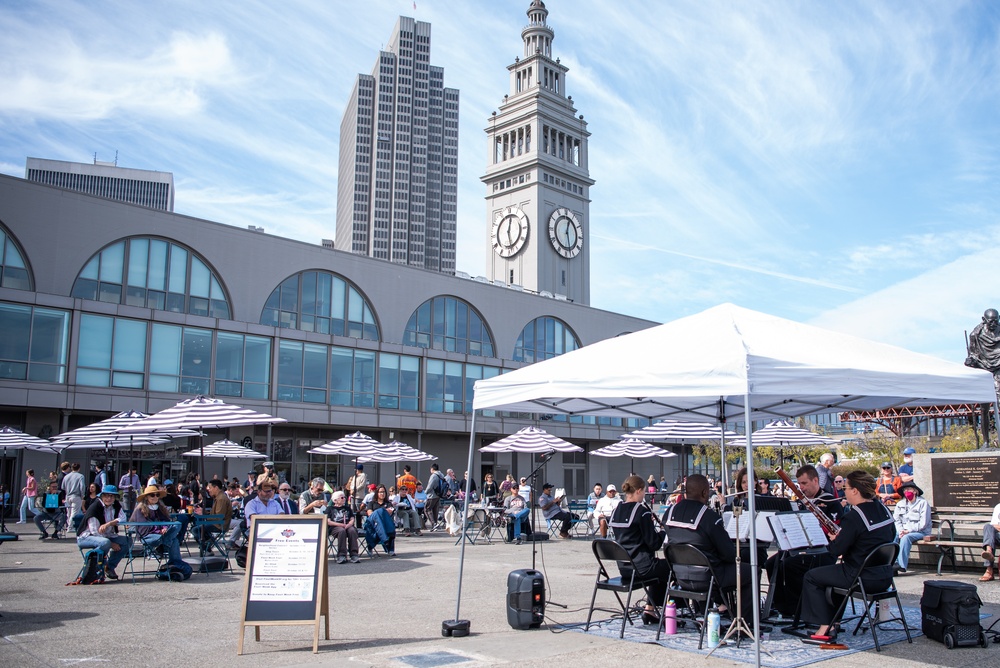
(319, 301)
(156, 274)
(13, 270)
(543, 338)
(447, 323)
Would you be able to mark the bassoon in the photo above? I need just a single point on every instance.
(829, 527)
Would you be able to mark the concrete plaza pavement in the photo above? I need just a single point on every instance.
(384, 612)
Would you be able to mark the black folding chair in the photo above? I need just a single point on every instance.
(607, 551)
(476, 526)
(884, 555)
(693, 579)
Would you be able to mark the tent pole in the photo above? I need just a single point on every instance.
(754, 578)
(465, 514)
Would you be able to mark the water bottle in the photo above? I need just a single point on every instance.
(713, 628)
(670, 618)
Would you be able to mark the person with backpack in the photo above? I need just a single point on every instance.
(99, 530)
(436, 489)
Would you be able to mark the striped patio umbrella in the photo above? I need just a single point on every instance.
(225, 449)
(681, 430)
(533, 440)
(199, 413)
(782, 434)
(105, 434)
(632, 447)
(352, 445)
(412, 454)
(15, 439)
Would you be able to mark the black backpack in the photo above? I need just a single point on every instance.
(176, 571)
(93, 569)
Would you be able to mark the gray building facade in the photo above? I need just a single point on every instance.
(398, 170)
(106, 179)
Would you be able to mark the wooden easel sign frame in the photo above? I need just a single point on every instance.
(286, 575)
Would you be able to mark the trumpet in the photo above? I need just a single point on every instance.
(829, 527)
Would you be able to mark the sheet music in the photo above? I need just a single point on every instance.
(797, 531)
(744, 526)
(763, 529)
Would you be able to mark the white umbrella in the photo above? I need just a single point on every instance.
(782, 433)
(397, 452)
(105, 434)
(533, 440)
(413, 454)
(17, 440)
(199, 413)
(225, 449)
(352, 445)
(685, 430)
(632, 448)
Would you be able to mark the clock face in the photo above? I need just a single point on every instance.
(510, 231)
(566, 232)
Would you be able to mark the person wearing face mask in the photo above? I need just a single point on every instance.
(906, 470)
(149, 509)
(912, 516)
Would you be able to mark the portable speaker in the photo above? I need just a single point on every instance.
(525, 599)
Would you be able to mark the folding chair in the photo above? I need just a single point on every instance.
(693, 579)
(375, 534)
(476, 525)
(203, 528)
(884, 556)
(606, 551)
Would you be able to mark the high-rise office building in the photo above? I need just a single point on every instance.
(537, 179)
(398, 172)
(106, 179)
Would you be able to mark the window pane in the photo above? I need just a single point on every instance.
(290, 363)
(165, 351)
(157, 265)
(290, 294)
(229, 356)
(309, 293)
(314, 366)
(257, 360)
(200, 279)
(112, 261)
(95, 341)
(197, 354)
(138, 258)
(93, 377)
(130, 347)
(15, 331)
(177, 278)
(90, 269)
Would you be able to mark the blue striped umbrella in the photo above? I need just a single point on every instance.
(531, 439)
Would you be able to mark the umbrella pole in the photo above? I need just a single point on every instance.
(452, 624)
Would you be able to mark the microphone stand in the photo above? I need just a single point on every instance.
(534, 526)
(739, 624)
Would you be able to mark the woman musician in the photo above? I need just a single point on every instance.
(635, 530)
(739, 500)
(785, 570)
(863, 529)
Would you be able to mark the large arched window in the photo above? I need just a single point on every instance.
(153, 273)
(319, 301)
(447, 323)
(13, 270)
(543, 338)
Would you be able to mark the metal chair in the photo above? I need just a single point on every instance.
(211, 534)
(693, 579)
(606, 551)
(476, 525)
(885, 556)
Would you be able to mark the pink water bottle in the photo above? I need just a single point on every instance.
(670, 618)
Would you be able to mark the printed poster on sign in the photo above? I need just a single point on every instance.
(284, 562)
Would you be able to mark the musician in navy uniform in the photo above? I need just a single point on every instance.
(691, 521)
(785, 570)
(632, 521)
(861, 531)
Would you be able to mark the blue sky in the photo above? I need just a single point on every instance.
(832, 163)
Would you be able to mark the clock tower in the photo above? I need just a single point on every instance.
(537, 181)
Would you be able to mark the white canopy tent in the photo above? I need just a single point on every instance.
(729, 362)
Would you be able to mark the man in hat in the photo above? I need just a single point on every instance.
(991, 541)
(605, 507)
(906, 470)
(268, 474)
(887, 485)
(99, 530)
(912, 516)
(553, 512)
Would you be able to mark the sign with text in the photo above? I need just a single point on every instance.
(966, 482)
(286, 575)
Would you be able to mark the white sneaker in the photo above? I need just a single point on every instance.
(20, 522)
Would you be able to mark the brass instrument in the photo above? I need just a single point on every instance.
(829, 527)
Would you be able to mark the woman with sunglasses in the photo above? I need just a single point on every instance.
(149, 509)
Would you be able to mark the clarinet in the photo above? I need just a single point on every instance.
(829, 527)
(658, 520)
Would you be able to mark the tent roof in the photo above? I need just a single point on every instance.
(683, 368)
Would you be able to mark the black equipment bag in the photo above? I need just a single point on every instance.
(951, 609)
(93, 569)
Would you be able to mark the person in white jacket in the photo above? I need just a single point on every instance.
(912, 515)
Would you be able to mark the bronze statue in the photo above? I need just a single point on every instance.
(984, 344)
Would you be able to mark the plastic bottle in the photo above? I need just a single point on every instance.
(713, 627)
(670, 618)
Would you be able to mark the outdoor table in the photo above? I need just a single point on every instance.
(131, 534)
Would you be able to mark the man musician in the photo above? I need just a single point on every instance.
(785, 570)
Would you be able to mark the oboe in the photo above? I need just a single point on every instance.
(829, 527)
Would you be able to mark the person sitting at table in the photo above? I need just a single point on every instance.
(51, 507)
(220, 506)
(264, 503)
(149, 509)
(863, 529)
(605, 508)
(313, 500)
(340, 519)
(516, 509)
(406, 513)
(99, 530)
